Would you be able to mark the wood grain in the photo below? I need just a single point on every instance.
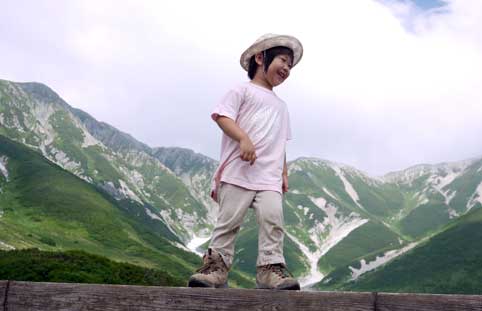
(423, 302)
(3, 296)
(63, 296)
(58, 296)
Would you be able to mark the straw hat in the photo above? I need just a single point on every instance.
(268, 41)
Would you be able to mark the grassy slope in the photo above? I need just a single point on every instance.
(448, 263)
(47, 207)
(365, 240)
(77, 267)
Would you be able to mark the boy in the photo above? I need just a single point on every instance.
(252, 171)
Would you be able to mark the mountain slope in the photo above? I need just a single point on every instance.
(31, 113)
(449, 262)
(436, 194)
(340, 222)
(44, 206)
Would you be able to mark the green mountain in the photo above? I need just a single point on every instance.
(47, 207)
(448, 262)
(34, 115)
(340, 222)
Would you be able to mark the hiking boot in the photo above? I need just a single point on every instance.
(213, 273)
(275, 276)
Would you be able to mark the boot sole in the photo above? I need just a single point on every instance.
(197, 283)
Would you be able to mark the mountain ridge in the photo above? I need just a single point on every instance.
(332, 211)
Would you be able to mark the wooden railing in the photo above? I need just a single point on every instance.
(19, 296)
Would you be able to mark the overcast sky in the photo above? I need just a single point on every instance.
(383, 85)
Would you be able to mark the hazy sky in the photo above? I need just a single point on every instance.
(383, 85)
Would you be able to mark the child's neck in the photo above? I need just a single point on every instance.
(261, 82)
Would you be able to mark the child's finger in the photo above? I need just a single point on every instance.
(253, 159)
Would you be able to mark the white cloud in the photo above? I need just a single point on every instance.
(381, 86)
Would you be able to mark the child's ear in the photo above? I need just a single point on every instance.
(259, 59)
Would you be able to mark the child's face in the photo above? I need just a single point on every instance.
(279, 70)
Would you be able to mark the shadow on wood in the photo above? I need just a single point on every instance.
(21, 296)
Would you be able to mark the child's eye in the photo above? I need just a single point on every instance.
(286, 60)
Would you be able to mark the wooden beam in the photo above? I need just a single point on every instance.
(58, 296)
(21, 296)
(3, 294)
(425, 302)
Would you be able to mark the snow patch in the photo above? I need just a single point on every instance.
(339, 228)
(128, 193)
(348, 187)
(195, 242)
(314, 275)
(6, 246)
(182, 220)
(89, 140)
(329, 193)
(152, 215)
(453, 213)
(42, 112)
(380, 260)
(168, 221)
(421, 198)
(475, 197)
(293, 168)
(3, 166)
(63, 160)
(439, 182)
(188, 221)
(409, 175)
(195, 185)
(181, 246)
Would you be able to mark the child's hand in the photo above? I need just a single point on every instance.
(285, 183)
(248, 152)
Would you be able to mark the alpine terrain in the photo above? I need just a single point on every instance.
(70, 182)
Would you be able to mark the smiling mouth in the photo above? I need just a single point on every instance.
(282, 75)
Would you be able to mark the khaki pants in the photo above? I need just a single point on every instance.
(234, 202)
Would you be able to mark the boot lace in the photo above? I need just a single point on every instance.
(211, 265)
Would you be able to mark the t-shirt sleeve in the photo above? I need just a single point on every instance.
(228, 106)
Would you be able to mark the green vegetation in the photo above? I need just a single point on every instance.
(46, 207)
(49, 208)
(465, 186)
(370, 238)
(78, 267)
(424, 219)
(380, 200)
(449, 263)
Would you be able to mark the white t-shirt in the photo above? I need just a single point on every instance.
(264, 117)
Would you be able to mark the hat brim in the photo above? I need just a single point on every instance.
(268, 43)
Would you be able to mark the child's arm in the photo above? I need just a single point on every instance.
(230, 128)
(285, 176)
